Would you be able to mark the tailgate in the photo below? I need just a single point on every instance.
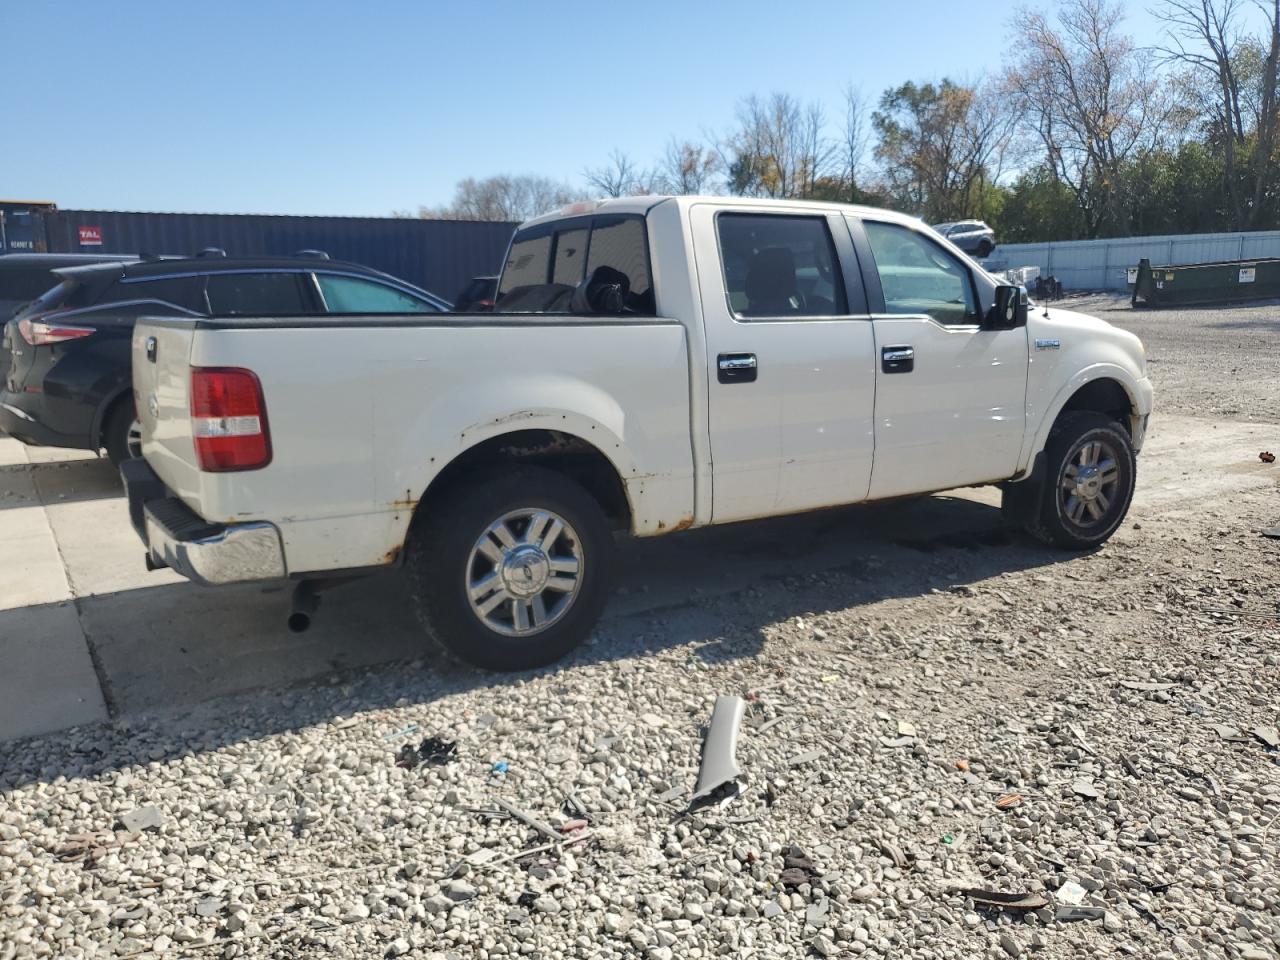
(161, 387)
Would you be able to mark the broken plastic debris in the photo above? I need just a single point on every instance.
(402, 732)
(719, 766)
(1006, 901)
(432, 751)
(1070, 893)
(501, 766)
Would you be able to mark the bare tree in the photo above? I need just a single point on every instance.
(778, 149)
(503, 197)
(854, 139)
(687, 168)
(620, 177)
(1204, 36)
(1094, 100)
(1267, 113)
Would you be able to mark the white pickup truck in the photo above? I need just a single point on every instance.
(652, 364)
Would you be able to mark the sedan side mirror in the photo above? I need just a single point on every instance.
(1010, 309)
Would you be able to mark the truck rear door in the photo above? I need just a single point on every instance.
(792, 360)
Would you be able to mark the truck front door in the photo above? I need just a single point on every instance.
(792, 360)
(950, 402)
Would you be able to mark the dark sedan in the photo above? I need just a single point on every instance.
(70, 379)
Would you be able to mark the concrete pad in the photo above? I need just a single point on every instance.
(179, 643)
(47, 682)
(12, 451)
(101, 552)
(32, 567)
(62, 481)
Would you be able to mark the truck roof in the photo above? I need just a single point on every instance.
(643, 204)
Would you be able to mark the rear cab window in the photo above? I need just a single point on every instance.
(547, 263)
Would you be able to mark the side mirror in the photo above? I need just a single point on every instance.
(1010, 309)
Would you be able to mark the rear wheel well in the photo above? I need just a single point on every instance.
(1104, 396)
(549, 449)
(109, 409)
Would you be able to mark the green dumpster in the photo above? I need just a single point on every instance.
(1187, 283)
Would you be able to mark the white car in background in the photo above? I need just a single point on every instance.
(972, 236)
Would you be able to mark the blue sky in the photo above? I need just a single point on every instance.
(361, 109)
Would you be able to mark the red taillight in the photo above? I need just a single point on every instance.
(38, 333)
(229, 419)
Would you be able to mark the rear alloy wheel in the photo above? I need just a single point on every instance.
(123, 434)
(510, 572)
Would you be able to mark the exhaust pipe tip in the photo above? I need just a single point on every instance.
(299, 622)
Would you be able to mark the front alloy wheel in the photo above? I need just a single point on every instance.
(1088, 482)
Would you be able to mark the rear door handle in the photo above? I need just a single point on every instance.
(898, 359)
(736, 367)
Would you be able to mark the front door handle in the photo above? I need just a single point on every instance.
(898, 359)
(736, 367)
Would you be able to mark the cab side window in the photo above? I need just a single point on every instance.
(918, 277)
(780, 265)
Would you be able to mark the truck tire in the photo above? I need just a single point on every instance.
(511, 572)
(1088, 483)
(984, 249)
(122, 434)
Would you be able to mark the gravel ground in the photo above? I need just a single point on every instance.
(1126, 697)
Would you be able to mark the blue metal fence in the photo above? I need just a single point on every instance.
(438, 255)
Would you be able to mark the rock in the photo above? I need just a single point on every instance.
(823, 946)
(142, 818)
(1010, 945)
(1111, 922)
(398, 947)
(771, 910)
(459, 891)
(546, 904)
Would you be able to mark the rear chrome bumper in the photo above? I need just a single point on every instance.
(205, 553)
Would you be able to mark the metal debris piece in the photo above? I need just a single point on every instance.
(1071, 914)
(770, 724)
(1008, 801)
(1145, 686)
(719, 766)
(807, 757)
(1070, 893)
(1268, 735)
(1085, 788)
(1084, 744)
(1002, 900)
(528, 819)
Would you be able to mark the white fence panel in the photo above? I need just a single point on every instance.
(1102, 264)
